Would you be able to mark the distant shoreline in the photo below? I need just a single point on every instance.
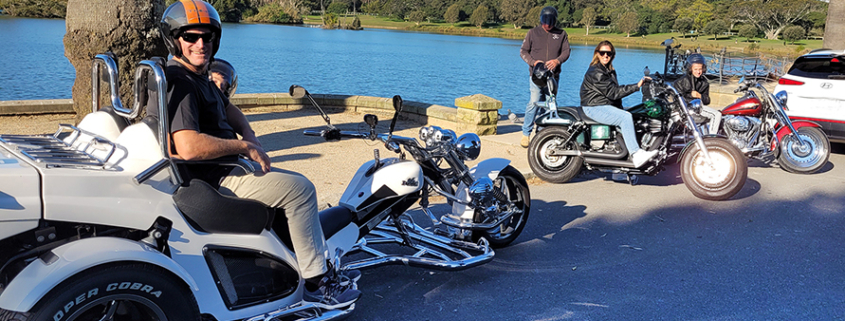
(576, 36)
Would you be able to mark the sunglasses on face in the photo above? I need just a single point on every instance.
(605, 53)
(193, 37)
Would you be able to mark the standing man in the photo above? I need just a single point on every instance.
(204, 125)
(544, 44)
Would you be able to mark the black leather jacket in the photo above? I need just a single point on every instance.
(601, 88)
(688, 82)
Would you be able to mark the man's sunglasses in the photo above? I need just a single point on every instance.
(193, 37)
(606, 53)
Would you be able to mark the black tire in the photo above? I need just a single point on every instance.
(510, 182)
(806, 159)
(119, 292)
(553, 169)
(720, 184)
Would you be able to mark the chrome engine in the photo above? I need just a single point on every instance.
(742, 131)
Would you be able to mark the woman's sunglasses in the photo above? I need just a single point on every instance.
(193, 37)
(606, 53)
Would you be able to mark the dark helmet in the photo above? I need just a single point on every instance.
(540, 74)
(229, 74)
(696, 58)
(187, 14)
(548, 16)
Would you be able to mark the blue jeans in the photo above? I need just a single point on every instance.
(611, 115)
(537, 95)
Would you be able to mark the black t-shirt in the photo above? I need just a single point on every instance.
(195, 103)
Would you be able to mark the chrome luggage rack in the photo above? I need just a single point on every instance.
(71, 152)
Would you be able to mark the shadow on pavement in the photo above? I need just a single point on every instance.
(681, 263)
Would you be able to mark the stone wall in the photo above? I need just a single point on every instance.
(480, 116)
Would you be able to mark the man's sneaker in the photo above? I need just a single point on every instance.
(347, 277)
(332, 295)
(525, 141)
(640, 157)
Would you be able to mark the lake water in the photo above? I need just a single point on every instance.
(422, 67)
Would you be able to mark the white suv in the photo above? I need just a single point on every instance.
(815, 85)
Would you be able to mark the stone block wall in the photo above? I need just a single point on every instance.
(475, 114)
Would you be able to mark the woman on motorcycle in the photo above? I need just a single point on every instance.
(601, 97)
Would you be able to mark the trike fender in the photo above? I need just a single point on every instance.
(63, 262)
(489, 168)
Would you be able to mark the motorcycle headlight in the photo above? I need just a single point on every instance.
(781, 97)
(695, 106)
(469, 146)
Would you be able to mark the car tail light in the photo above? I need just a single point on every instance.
(787, 81)
(834, 60)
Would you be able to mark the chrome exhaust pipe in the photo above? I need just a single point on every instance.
(464, 225)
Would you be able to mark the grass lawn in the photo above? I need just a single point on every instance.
(733, 44)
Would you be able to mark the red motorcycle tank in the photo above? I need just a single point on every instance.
(745, 106)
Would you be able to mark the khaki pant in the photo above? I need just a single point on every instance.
(296, 195)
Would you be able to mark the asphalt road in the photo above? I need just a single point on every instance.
(596, 249)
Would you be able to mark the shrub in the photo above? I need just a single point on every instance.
(337, 8)
(748, 31)
(416, 17)
(272, 13)
(793, 33)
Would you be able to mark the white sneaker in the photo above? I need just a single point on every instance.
(640, 157)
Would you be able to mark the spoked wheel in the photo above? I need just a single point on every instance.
(553, 168)
(720, 181)
(805, 158)
(513, 185)
(117, 293)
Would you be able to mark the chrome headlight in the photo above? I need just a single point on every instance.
(469, 146)
(781, 97)
(695, 106)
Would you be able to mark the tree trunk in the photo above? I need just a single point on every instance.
(772, 34)
(588, 30)
(127, 28)
(834, 29)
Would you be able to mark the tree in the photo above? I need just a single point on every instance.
(772, 17)
(683, 25)
(628, 23)
(700, 11)
(416, 16)
(453, 14)
(479, 16)
(716, 27)
(534, 16)
(338, 8)
(588, 18)
(748, 31)
(515, 11)
(793, 33)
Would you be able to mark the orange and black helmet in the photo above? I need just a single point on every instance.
(188, 14)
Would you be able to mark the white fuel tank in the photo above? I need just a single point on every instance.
(394, 178)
